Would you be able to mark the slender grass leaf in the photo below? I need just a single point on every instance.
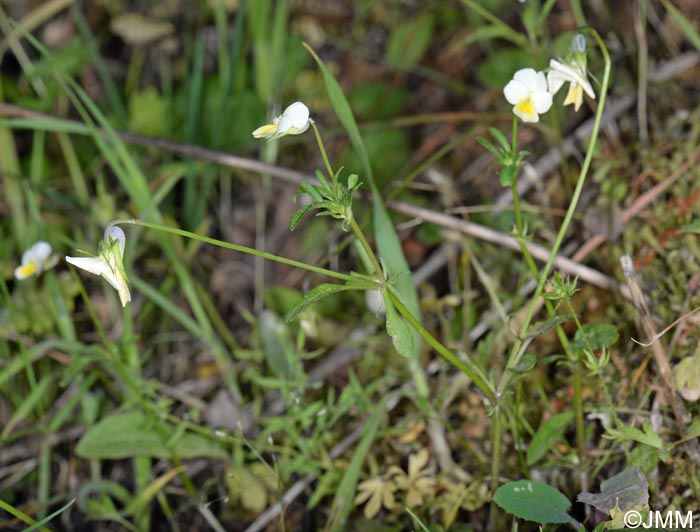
(39, 392)
(683, 23)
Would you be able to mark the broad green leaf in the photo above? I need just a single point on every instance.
(409, 41)
(534, 501)
(625, 490)
(595, 336)
(547, 435)
(318, 293)
(134, 434)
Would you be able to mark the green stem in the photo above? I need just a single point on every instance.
(322, 149)
(357, 231)
(235, 247)
(468, 368)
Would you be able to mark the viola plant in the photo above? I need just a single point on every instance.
(109, 262)
(531, 94)
(35, 260)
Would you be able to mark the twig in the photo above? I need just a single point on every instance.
(639, 302)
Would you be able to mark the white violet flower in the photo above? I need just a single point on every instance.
(527, 91)
(109, 262)
(35, 260)
(574, 73)
(293, 121)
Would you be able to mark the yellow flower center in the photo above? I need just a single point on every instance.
(526, 107)
(26, 270)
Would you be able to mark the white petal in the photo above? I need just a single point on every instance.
(515, 91)
(284, 126)
(114, 278)
(37, 254)
(572, 73)
(542, 101)
(94, 265)
(588, 89)
(540, 83)
(555, 81)
(298, 113)
(526, 76)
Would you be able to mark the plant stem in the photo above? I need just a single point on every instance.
(322, 149)
(470, 369)
(357, 231)
(236, 247)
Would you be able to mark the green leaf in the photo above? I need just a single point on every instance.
(547, 435)
(134, 434)
(683, 23)
(647, 436)
(691, 228)
(319, 292)
(401, 333)
(486, 143)
(595, 336)
(501, 138)
(311, 190)
(39, 393)
(409, 41)
(526, 363)
(625, 490)
(534, 501)
(296, 218)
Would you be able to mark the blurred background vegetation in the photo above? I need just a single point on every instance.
(198, 406)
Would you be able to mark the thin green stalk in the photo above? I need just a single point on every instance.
(236, 247)
(322, 149)
(357, 231)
